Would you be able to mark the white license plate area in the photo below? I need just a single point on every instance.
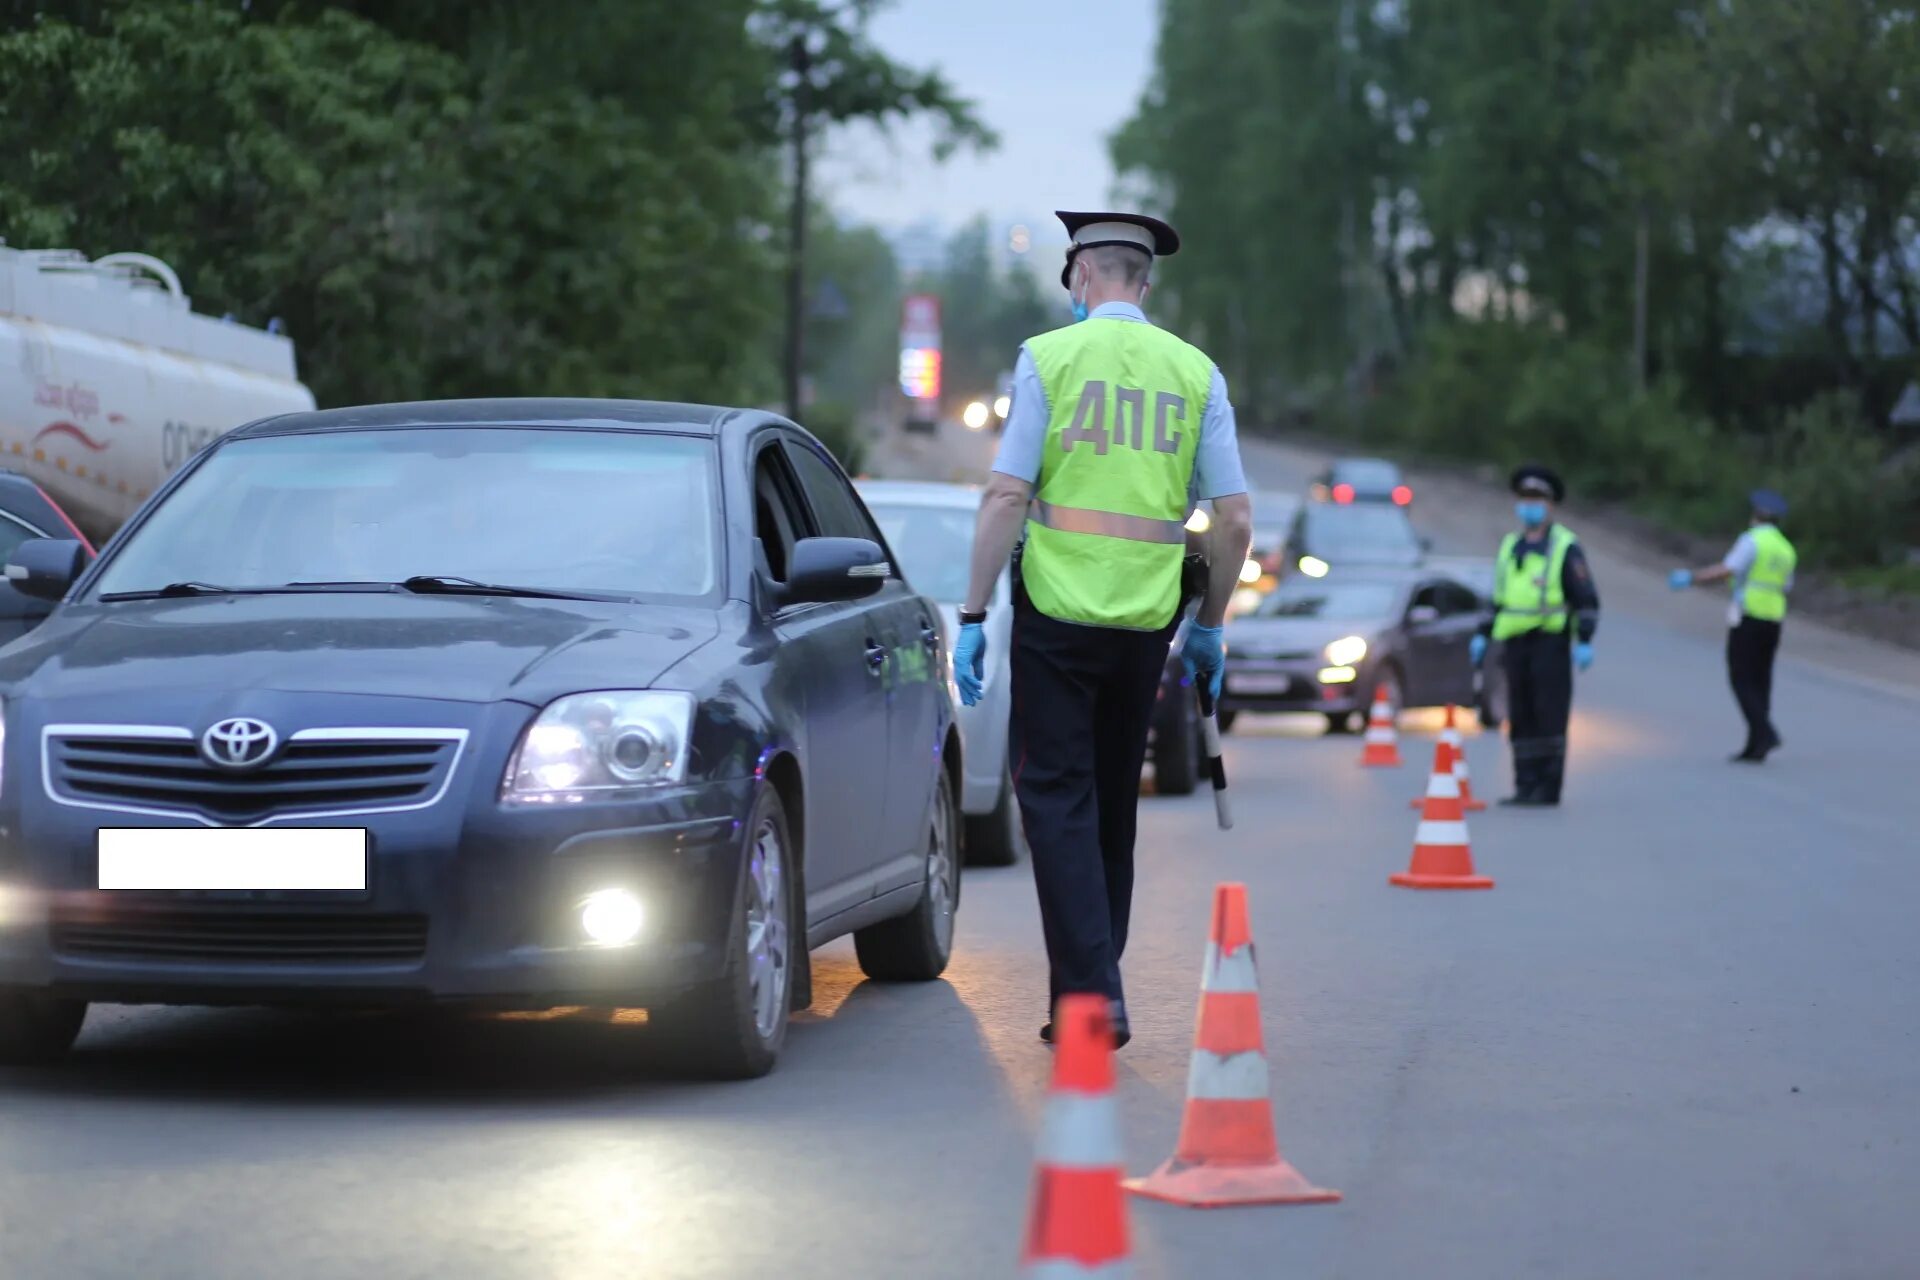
(1258, 682)
(234, 859)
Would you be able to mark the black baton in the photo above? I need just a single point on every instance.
(1210, 726)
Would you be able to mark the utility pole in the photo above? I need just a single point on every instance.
(1640, 255)
(801, 63)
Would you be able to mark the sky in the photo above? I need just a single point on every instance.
(1052, 77)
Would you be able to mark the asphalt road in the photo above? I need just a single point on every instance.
(1680, 1038)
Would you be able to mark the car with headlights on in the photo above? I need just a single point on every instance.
(505, 703)
(1327, 645)
(929, 529)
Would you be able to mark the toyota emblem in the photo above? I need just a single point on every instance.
(239, 743)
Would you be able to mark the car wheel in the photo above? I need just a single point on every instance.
(1340, 721)
(1225, 719)
(734, 1028)
(1176, 746)
(997, 839)
(915, 947)
(37, 1028)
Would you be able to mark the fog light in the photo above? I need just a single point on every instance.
(610, 917)
(1338, 675)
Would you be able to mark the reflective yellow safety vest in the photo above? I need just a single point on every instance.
(1764, 595)
(1527, 595)
(1105, 533)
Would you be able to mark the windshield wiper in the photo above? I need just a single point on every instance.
(173, 590)
(447, 584)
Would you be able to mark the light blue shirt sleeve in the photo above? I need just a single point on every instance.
(1023, 438)
(1217, 472)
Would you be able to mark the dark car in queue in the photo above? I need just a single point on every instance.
(1362, 480)
(1329, 535)
(26, 511)
(1328, 644)
(512, 703)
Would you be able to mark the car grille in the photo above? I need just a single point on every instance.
(215, 934)
(307, 776)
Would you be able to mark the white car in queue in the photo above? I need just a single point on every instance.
(929, 529)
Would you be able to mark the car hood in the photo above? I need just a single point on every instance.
(1269, 637)
(456, 648)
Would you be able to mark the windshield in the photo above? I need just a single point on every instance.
(598, 512)
(1329, 601)
(1368, 533)
(933, 545)
(1368, 474)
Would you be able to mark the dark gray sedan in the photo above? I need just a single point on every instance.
(1327, 644)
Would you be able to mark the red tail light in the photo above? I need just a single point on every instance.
(1343, 493)
(1402, 495)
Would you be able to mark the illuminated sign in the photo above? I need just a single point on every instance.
(920, 372)
(920, 347)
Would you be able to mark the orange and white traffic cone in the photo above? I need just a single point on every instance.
(1444, 755)
(1227, 1153)
(1383, 741)
(1452, 734)
(1442, 856)
(1077, 1226)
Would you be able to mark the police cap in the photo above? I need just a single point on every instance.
(1768, 503)
(1534, 480)
(1136, 230)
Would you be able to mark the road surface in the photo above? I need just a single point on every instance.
(1680, 1038)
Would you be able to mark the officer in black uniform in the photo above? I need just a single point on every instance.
(1546, 629)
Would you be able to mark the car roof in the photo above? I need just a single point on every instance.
(920, 493)
(632, 415)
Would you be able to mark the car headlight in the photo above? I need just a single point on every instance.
(1313, 566)
(1346, 651)
(588, 744)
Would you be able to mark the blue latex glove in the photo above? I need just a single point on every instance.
(1582, 654)
(970, 661)
(1680, 579)
(1477, 650)
(1205, 655)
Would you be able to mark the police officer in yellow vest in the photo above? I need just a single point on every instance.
(1760, 566)
(1546, 609)
(1115, 429)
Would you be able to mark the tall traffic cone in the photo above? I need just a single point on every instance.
(1077, 1225)
(1383, 741)
(1227, 1153)
(1442, 858)
(1444, 755)
(1452, 734)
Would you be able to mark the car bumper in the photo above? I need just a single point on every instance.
(485, 910)
(1270, 686)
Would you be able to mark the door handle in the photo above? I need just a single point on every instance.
(876, 657)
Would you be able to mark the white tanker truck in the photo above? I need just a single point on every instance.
(109, 380)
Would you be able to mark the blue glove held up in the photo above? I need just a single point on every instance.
(1582, 655)
(1205, 656)
(970, 661)
(1680, 579)
(1477, 650)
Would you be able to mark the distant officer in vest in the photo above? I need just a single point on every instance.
(1115, 430)
(1546, 609)
(1761, 568)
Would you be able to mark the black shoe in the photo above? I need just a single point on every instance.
(1121, 1032)
(1749, 756)
(1531, 800)
(1520, 800)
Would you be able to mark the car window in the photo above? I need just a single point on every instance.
(623, 513)
(1428, 595)
(1369, 474)
(1360, 530)
(12, 534)
(1455, 598)
(1331, 601)
(933, 545)
(836, 509)
(778, 518)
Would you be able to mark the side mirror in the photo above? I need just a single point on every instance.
(46, 568)
(830, 569)
(1421, 614)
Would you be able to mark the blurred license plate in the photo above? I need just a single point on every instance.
(1255, 682)
(243, 859)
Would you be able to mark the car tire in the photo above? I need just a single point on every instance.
(36, 1028)
(915, 947)
(734, 1027)
(1225, 719)
(1177, 746)
(1340, 721)
(997, 839)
